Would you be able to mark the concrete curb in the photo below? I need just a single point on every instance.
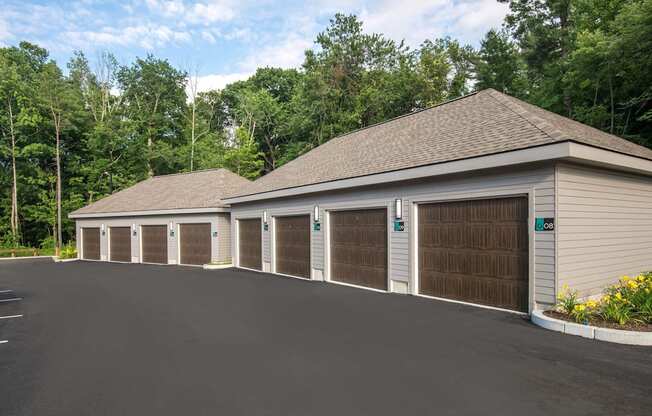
(617, 336)
(217, 266)
(25, 258)
(58, 260)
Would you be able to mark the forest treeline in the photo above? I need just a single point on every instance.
(75, 134)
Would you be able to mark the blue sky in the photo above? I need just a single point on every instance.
(226, 40)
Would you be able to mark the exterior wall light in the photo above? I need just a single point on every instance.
(133, 229)
(171, 229)
(103, 228)
(398, 208)
(315, 214)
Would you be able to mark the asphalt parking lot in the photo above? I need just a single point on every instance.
(117, 339)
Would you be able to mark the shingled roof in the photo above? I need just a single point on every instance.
(196, 190)
(479, 124)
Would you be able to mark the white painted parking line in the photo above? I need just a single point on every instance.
(6, 291)
(11, 316)
(3, 342)
(10, 300)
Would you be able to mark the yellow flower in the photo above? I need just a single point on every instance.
(606, 298)
(580, 307)
(632, 284)
(619, 296)
(625, 278)
(640, 278)
(591, 304)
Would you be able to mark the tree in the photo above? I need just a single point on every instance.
(155, 101)
(500, 66)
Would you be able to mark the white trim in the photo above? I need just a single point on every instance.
(486, 194)
(563, 150)
(337, 282)
(305, 279)
(272, 243)
(180, 211)
(536, 154)
(477, 305)
(251, 270)
(384, 204)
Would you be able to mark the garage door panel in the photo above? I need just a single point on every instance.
(293, 245)
(475, 251)
(154, 244)
(120, 244)
(250, 243)
(195, 241)
(359, 247)
(91, 243)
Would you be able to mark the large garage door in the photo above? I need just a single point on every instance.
(359, 247)
(195, 243)
(120, 244)
(155, 244)
(475, 251)
(91, 243)
(293, 245)
(250, 242)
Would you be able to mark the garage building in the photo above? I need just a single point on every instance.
(169, 219)
(484, 199)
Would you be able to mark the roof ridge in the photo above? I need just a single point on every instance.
(536, 121)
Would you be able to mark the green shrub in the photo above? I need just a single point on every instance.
(567, 300)
(69, 251)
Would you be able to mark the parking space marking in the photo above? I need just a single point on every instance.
(11, 316)
(10, 300)
(3, 342)
(6, 291)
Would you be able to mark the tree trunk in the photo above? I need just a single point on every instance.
(192, 137)
(611, 99)
(14, 187)
(59, 238)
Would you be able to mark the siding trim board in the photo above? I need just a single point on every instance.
(537, 181)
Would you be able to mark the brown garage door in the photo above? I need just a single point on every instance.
(195, 242)
(359, 247)
(250, 241)
(475, 251)
(91, 243)
(155, 243)
(293, 245)
(120, 244)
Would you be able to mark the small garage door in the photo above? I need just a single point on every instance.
(359, 247)
(91, 243)
(250, 243)
(475, 251)
(155, 243)
(293, 245)
(195, 242)
(120, 244)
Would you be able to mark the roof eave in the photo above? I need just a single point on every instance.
(178, 211)
(566, 150)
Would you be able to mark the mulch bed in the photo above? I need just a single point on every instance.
(601, 323)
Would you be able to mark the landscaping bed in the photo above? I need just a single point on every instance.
(626, 305)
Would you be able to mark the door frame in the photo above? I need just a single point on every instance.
(272, 242)
(140, 244)
(108, 243)
(237, 242)
(529, 193)
(178, 225)
(386, 205)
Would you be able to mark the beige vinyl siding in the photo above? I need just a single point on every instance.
(537, 179)
(604, 226)
(219, 222)
(223, 237)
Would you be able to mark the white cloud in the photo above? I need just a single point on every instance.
(286, 53)
(203, 12)
(219, 81)
(5, 33)
(146, 36)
